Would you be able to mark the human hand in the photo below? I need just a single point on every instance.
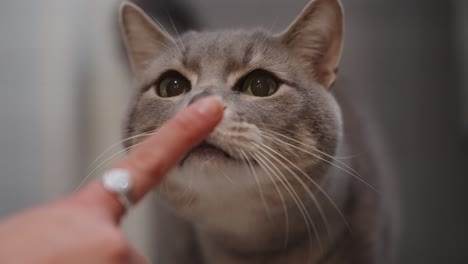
(84, 227)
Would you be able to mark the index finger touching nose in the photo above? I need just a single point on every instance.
(153, 158)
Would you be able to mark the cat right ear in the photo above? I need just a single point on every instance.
(144, 40)
(316, 38)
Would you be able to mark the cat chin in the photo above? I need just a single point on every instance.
(213, 194)
(217, 195)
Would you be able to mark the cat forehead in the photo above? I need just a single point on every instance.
(223, 41)
(228, 50)
(222, 53)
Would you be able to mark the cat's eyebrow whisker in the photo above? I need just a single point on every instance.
(286, 227)
(268, 151)
(312, 181)
(268, 33)
(257, 182)
(104, 163)
(302, 208)
(177, 32)
(167, 32)
(351, 173)
(164, 45)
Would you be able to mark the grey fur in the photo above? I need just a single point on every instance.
(220, 211)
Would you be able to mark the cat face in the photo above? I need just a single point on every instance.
(280, 122)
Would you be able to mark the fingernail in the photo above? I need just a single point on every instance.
(209, 106)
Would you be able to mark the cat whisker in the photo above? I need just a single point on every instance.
(278, 128)
(181, 195)
(262, 159)
(118, 144)
(271, 132)
(164, 184)
(104, 163)
(351, 172)
(283, 202)
(227, 177)
(257, 182)
(189, 189)
(318, 186)
(301, 182)
(312, 148)
(346, 157)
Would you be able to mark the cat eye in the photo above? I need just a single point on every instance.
(259, 83)
(172, 84)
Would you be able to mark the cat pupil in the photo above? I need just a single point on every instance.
(261, 87)
(172, 86)
(260, 84)
(175, 88)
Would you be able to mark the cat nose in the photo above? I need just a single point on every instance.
(199, 96)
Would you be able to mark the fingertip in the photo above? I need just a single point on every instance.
(209, 107)
(149, 162)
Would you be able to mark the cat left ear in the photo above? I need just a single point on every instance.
(143, 38)
(316, 38)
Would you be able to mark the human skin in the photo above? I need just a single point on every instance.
(84, 227)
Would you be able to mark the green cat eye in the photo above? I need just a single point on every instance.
(173, 84)
(259, 83)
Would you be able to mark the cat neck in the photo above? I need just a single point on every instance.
(263, 242)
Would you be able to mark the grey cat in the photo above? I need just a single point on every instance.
(269, 185)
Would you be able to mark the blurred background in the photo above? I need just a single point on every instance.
(64, 84)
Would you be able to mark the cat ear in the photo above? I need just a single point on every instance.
(143, 38)
(316, 38)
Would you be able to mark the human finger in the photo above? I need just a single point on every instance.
(154, 157)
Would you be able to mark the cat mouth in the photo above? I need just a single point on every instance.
(207, 150)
